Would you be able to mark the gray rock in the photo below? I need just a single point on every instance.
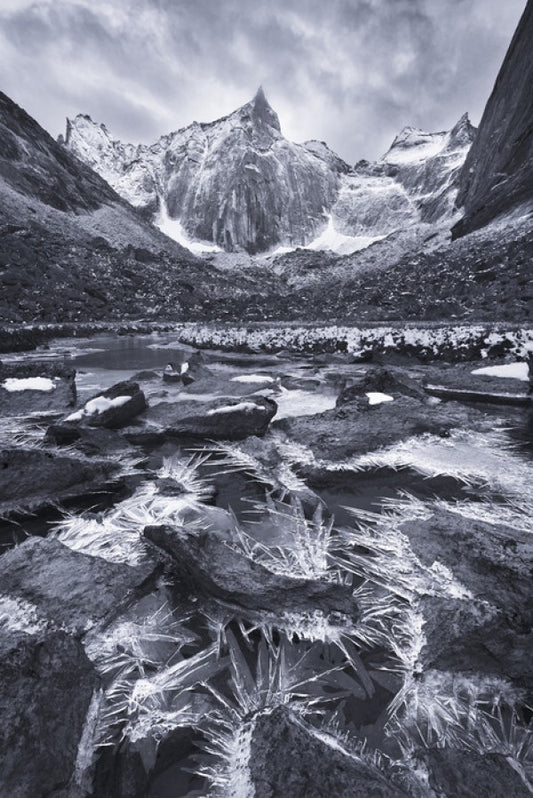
(356, 427)
(18, 403)
(46, 685)
(472, 775)
(70, 590)
(221, 419)
(119, 416)
(498, 172)
(211, 567)
(33, 478)
(288, 758)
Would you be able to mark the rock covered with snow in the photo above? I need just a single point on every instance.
(112, 408)
(414, 182)
(35, 387)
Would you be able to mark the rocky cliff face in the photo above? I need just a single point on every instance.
(498, 173)
(239, 183)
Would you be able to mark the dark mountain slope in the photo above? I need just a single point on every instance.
(498, 172)
(71, 248)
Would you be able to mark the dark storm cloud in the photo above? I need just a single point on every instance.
(351, 72)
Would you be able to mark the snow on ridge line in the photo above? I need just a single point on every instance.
(13, 384)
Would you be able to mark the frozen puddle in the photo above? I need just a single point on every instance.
(302, 403)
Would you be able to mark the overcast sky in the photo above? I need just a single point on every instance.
(350, 72)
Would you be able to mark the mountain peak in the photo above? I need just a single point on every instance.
(260, 97)
(263, 112)
(463, 132)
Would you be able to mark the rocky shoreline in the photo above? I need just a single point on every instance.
(345, 591)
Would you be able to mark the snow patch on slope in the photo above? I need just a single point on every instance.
(175, 230)
(330, 239)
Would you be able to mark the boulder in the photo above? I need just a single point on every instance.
(33, 478)
(46, 686)
(491, 560)
(113, 408)
(465, 636)
(378, 380)
(208, 564)
(220, 419)
(68, 589)
(489, 632)
(288, 757)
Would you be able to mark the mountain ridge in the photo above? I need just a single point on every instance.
(238, 183)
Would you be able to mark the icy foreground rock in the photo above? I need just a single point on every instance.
(237, 183)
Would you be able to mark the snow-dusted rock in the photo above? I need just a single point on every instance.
(236, 182)
(112, 408)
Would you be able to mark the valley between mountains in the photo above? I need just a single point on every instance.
(266, 456)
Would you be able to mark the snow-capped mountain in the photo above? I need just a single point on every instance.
(414, 182)
(237, 183)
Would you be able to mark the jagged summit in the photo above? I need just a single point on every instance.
(463, 133)
(263, 111)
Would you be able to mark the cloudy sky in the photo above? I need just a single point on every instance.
(350, 72)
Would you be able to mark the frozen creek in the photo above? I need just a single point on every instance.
(352, 580)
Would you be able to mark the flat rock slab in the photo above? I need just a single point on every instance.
(68, 589)
(211, 567)
(34, 478)
(522, 399)
(287, 757)
(355, 428)
(46, 685)
(221, 419)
